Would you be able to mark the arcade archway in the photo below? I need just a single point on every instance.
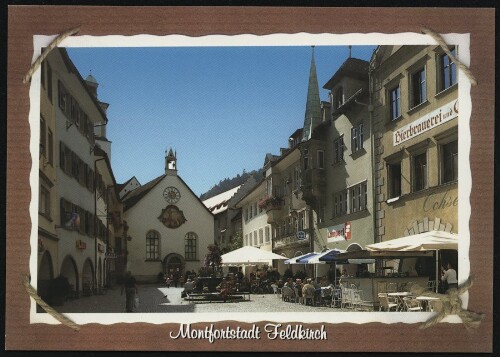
(45, 275)
(70, 271)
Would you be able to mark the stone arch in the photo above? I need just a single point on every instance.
(45, 275)
(88, 272)
(354, 247)
(426, 225)
(70, 271)
(99, 273)
(173, 261)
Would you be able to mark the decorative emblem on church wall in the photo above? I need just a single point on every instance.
(172, 217)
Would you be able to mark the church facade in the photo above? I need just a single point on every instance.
(167, 226)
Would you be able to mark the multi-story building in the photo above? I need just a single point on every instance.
(75, 112)
(415, 99)
(75, 179)
(273, 213)
(228, 222)
(344, 159)
(48, 241)
(220, 208)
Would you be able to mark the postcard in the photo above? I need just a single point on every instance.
(230, 190)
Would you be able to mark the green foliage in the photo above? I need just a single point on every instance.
(229, 183)
(237, 241)
(213, 257)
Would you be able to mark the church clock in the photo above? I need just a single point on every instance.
(171, 194)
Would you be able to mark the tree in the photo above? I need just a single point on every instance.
(236, 242)
(213, 258)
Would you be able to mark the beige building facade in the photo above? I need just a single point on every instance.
(347, 221)
(415, 102)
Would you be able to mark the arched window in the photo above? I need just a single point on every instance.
(190, 241)
(152, 245)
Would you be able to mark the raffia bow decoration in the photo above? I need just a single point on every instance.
(451, 305)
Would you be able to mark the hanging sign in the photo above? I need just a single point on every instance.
(301, 235)
(81, 245)
(339, 232)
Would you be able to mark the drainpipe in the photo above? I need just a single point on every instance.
(379, 263)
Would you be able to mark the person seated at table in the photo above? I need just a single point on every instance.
(289, 283)
(189, 286)
(224, 287)
(343, 276)
(308, 291)
(298, 288)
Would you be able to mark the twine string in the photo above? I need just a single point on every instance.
(58, 316)
(451, 305)
(439, 39)
(46, 52)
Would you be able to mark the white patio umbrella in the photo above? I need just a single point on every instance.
(249, 256)
(432, 240)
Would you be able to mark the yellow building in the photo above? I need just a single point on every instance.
(415, 115)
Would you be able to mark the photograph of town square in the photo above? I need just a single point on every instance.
(247, 179)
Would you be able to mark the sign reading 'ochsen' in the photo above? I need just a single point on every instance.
(429, 121)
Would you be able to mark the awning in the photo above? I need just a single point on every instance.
(313, 259)
(300, 259)
(324, 257)
(360, 261)
(386, 254)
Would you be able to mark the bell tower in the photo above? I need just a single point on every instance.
(170, 162)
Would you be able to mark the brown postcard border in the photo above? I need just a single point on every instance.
(26, 21)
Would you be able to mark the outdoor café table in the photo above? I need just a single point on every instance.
(426, 300)
(400, 295)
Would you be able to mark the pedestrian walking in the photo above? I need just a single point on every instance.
(130, 287)
(176, 277)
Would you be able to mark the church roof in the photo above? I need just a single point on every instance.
(312, 115)
(133, 197)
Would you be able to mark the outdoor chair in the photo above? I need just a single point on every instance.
(276, 290)
(386, 303)
(381, 286)
(336, 295)
(346, 300)
(412, 304)
(392, 288)
(431, 285)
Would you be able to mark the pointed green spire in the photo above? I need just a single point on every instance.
(313, 106)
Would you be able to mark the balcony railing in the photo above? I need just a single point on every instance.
(289, 240)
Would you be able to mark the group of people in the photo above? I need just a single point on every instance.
(302, 290)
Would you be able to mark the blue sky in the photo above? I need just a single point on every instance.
(221, 108)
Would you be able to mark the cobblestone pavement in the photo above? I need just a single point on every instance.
(158, 298)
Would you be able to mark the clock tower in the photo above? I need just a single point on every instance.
(171, 162)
